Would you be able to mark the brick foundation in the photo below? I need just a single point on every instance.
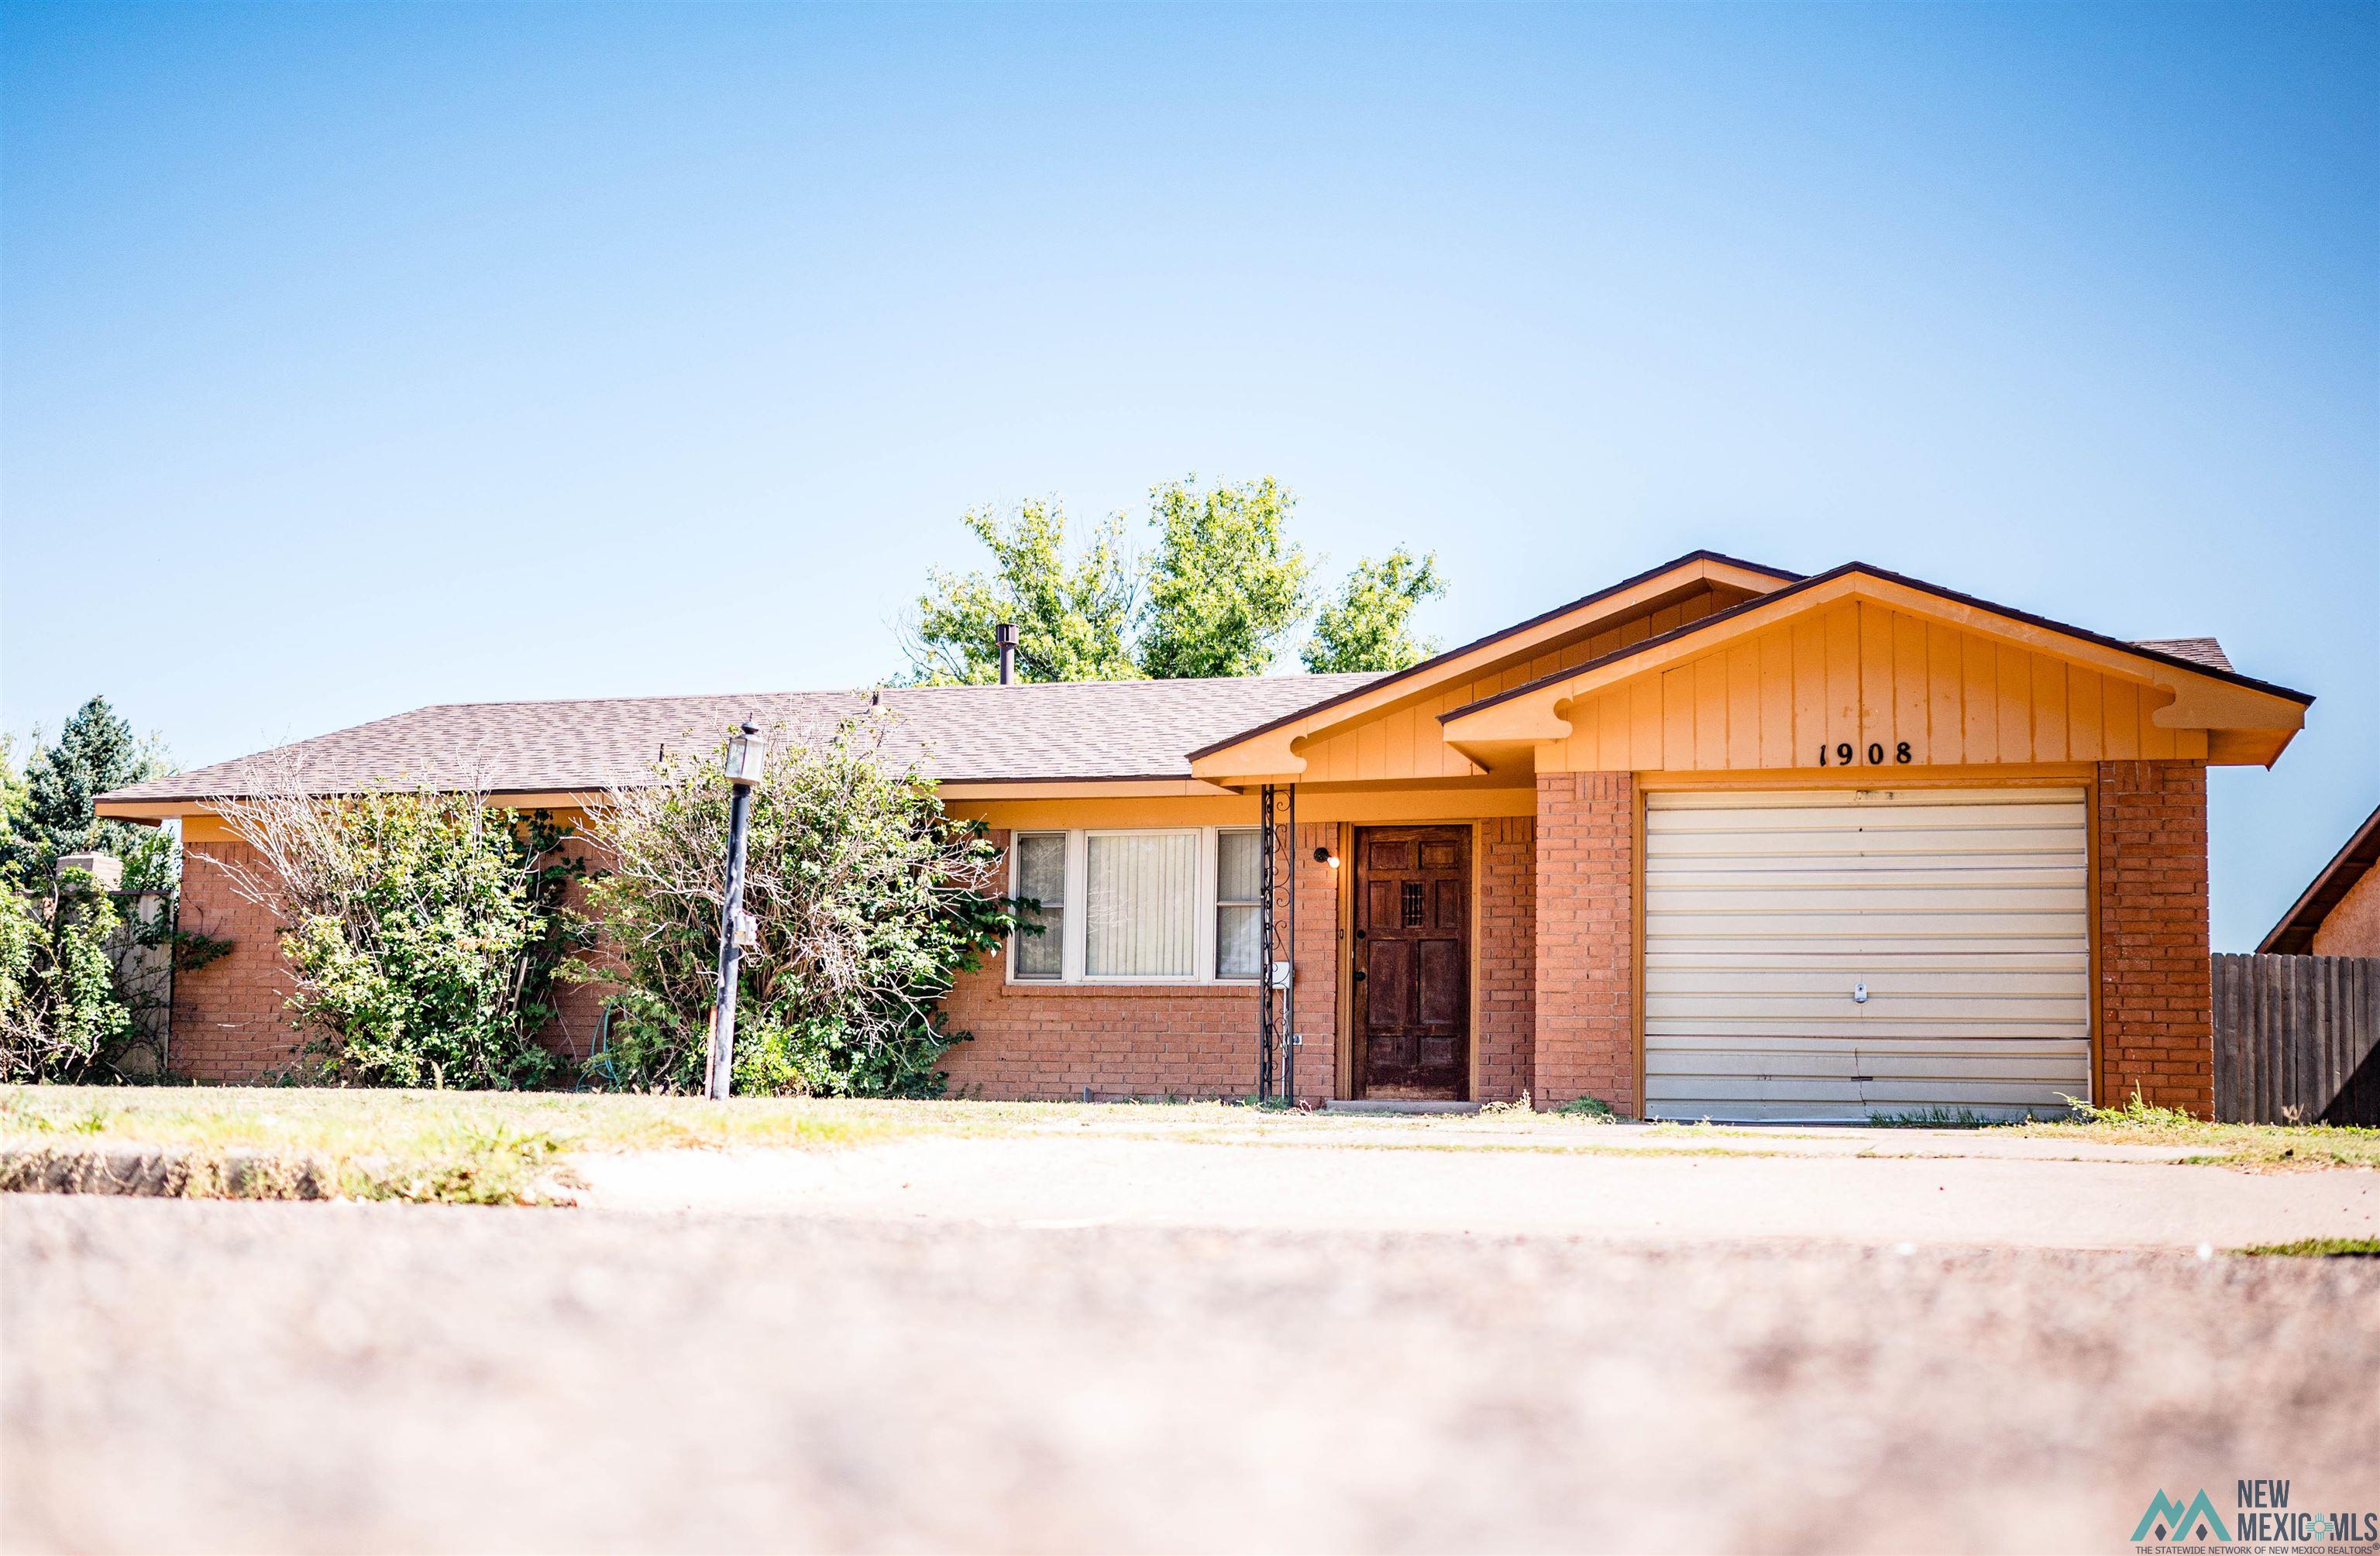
(2156, 998)
(1585, 975)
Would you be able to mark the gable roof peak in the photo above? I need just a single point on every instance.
(1424, 669)
(2200, 655)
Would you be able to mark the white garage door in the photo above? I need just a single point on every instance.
(1963, 915)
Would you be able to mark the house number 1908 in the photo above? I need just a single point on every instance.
(1847, 754)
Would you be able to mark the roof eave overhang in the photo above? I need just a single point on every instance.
(1268, 753)
(2247, 722)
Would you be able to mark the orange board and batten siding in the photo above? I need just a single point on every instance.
(1863, 675)
(1407, 742)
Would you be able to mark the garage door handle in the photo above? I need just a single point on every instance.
(1859, 994)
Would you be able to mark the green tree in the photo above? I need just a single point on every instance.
(1225, 585)
(1369, 627)
(1221, 587)
(96, 751)
(1071, 610)
(13, 796)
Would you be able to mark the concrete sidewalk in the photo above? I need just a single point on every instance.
(2025, 1193)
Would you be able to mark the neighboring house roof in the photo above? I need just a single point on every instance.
(2203, 654)
(2294, 935)
(1080, 730)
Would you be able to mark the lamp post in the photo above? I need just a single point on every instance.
(747, 756)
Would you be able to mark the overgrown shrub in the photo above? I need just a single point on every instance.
(869, 901)
(60, 1017)
(423, 930)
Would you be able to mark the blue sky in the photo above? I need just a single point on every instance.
(359, 356)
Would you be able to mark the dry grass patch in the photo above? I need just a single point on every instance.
(451, 1147)
(2253, 1146)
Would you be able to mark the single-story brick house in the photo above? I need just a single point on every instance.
(1718, 841)
(2338, 912)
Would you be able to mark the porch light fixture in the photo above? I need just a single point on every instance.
(747, 756)
(1324, 856)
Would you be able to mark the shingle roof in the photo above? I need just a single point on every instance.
(1075, 730)
(2197, 650)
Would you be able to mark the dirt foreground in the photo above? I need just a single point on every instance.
(275, 1377)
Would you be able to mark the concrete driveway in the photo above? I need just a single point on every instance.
(1611, 1183)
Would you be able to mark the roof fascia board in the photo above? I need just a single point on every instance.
(1267, 748)
(2204, 698)
(1081, 789)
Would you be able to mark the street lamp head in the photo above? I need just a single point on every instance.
(747, 755)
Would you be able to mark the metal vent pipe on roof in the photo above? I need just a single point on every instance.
(1004, 634)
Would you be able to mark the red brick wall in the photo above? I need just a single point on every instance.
(2156, 999)
(1051, 1040)
(1585, 982)
(1507, 862)
(228, 1022)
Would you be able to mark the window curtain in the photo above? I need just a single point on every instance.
(1041, 875)
(1239, 887)
(1144, 892)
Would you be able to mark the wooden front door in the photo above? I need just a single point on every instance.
(1413, 961)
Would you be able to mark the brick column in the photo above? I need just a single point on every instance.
(2155, 991)
(1586, 939)
(1506, 859)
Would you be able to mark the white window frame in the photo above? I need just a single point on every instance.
(1074, 930)
(1212, 910)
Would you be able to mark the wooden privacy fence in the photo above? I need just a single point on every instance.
(2294, 1040)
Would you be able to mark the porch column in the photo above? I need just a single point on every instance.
(2156, 990)
(1586, 939)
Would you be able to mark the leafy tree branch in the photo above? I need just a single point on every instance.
(1369, 625)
